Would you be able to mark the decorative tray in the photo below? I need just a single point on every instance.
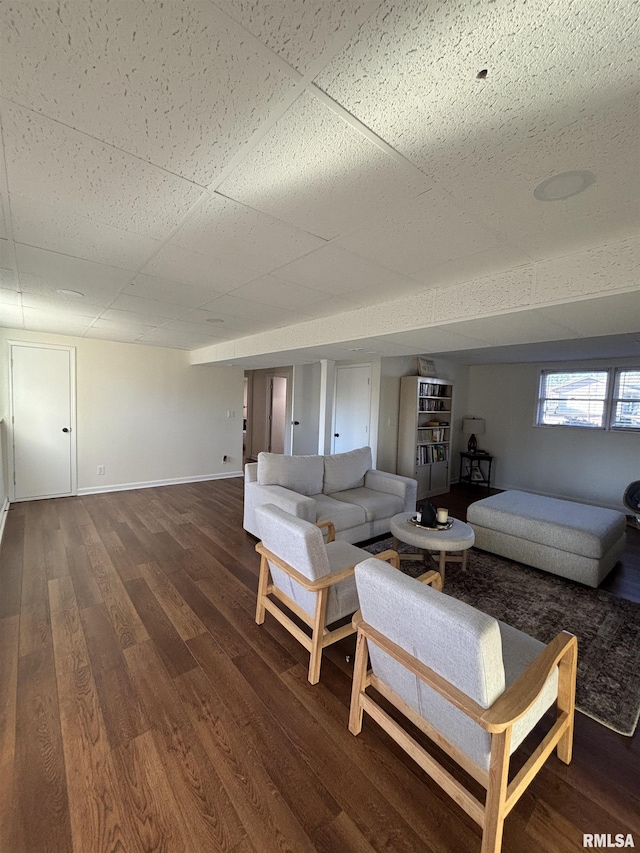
(446, 526)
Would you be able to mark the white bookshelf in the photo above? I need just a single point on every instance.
(424, 433)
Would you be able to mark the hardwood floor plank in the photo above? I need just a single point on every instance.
(341, 834)
(151, 812)
(81, 572)
(40, 803)
(9, 638)
(170, 646)
(307, 797)
(260, 806)
(208, 813)
(122, 711)
(97, 822)
(178, 612)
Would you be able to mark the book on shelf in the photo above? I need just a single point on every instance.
(432, 389)
(428, 453)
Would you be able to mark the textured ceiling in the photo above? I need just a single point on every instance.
(305, 170)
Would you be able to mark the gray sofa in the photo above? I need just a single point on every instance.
(573, 540)
(342, 488)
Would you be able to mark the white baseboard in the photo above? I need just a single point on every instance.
(3, 517)
(150, 484)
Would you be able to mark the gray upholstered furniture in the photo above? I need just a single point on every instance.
(342, 488)
(474, 685)
(315, 581)
(569, 539)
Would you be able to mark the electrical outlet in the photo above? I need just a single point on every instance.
(100, 469)
(225, 459)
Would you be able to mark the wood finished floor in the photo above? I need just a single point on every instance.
(142, 709)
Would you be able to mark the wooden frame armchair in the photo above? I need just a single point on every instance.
(476, 688)
(313, 579)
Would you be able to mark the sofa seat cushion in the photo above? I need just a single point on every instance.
(589, 531)
(376, 505)
(346, 470)
(302, 474)
(344, 516)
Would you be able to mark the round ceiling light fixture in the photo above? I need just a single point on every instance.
(73, 294)
(564, 185)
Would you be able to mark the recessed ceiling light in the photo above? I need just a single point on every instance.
(356, 349)
(74, 294)
(564, 185)
(216, 320)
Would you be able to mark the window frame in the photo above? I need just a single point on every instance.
(609, 400)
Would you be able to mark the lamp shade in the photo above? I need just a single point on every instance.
(473, 426)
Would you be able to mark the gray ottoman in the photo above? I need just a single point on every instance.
(569, 539)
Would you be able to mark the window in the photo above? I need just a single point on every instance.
(626, 400)
(594, 399)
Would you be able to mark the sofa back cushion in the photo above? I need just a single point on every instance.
(301, 474)
(346, 470)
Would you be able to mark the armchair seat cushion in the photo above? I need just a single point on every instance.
(375, 504)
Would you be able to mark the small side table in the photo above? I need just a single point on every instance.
(459, 537)
(482, 477)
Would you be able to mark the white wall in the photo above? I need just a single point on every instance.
(146, 413)
(594, 466)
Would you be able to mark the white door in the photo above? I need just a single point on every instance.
(43, 421)
(352, 409)
(277, 415)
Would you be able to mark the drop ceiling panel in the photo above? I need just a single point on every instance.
(434, 339)
(617, 314)
(604, 142)
(224, 228)
(298, 32)
(9, 279)
(91, 179)
(234, 306)
(11, 316)
(516, 328)
(76, 311)
(426, 231)
(40, 223)
(493, 261)
(316, 171)
(410, 74)
(334, 270)
(164, 290)
(71, 273)
(283, 294)
(44, 321)
(177, 84)
(148, 307)
(188, 267)
(598, 270)
(232, 327)
(10, 297)
(7, 261)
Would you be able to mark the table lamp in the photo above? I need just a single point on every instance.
(473, 427)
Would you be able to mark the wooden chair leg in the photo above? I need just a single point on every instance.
(567, 699)
(317, 634)
(494, 815)
(357, 687)
(263, 582)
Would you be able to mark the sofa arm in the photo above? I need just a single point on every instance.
(251, 472)
(255, 494)
(393, 484)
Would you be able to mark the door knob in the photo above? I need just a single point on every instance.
(66, 429)
(336, 435)
(296, 423)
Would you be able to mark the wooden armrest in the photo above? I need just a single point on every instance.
(520, 696)
(432, 577)
(389, 556)
(331, 529)
(312, 586)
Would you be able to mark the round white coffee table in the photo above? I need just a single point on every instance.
(460, 537)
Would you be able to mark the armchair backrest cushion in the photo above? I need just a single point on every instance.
(300, 544)
(302, 474)
(455, 640)
(346, 470)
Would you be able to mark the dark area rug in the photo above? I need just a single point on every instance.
(607, 628)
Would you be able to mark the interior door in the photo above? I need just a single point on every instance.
(352, 410)
(277, 415)
(43, 421)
